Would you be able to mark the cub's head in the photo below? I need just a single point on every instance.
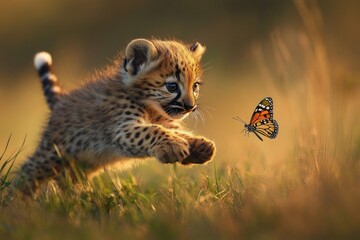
(164, 73)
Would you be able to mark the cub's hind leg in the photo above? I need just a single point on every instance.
(40, 167)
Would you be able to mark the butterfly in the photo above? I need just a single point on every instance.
(262, 121)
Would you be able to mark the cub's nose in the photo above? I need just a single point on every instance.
(189, 104)
(189, 107)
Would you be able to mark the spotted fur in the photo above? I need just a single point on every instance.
(130, 110)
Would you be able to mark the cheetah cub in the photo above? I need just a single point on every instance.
(131, 110)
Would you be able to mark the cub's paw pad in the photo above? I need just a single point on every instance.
(201, 150)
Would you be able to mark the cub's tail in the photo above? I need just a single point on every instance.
(50, 85)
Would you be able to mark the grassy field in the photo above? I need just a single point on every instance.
(305, 184)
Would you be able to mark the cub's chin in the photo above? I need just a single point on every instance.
(180, 116)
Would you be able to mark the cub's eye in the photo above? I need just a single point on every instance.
(172, 87)
(196, 87)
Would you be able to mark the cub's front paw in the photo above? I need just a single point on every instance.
(201, 150)
(171, 151)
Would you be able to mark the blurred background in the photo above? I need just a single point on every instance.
(304, 54)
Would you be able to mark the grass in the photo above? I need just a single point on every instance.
(305, 187)
(219, 202)
(7, 165)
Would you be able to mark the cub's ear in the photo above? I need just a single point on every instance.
(139, 55)
(198, 50)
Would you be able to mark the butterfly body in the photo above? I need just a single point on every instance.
(262, 121)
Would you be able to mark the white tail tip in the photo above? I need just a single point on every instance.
(42, 58)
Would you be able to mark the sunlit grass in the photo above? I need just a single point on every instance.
(6, 166)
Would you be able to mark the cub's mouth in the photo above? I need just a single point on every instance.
(178, 111)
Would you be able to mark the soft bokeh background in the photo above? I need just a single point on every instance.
(304, 54)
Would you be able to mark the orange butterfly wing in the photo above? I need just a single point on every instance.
(268, 128)
(264, 110)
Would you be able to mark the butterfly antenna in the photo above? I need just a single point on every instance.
(237, 118)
